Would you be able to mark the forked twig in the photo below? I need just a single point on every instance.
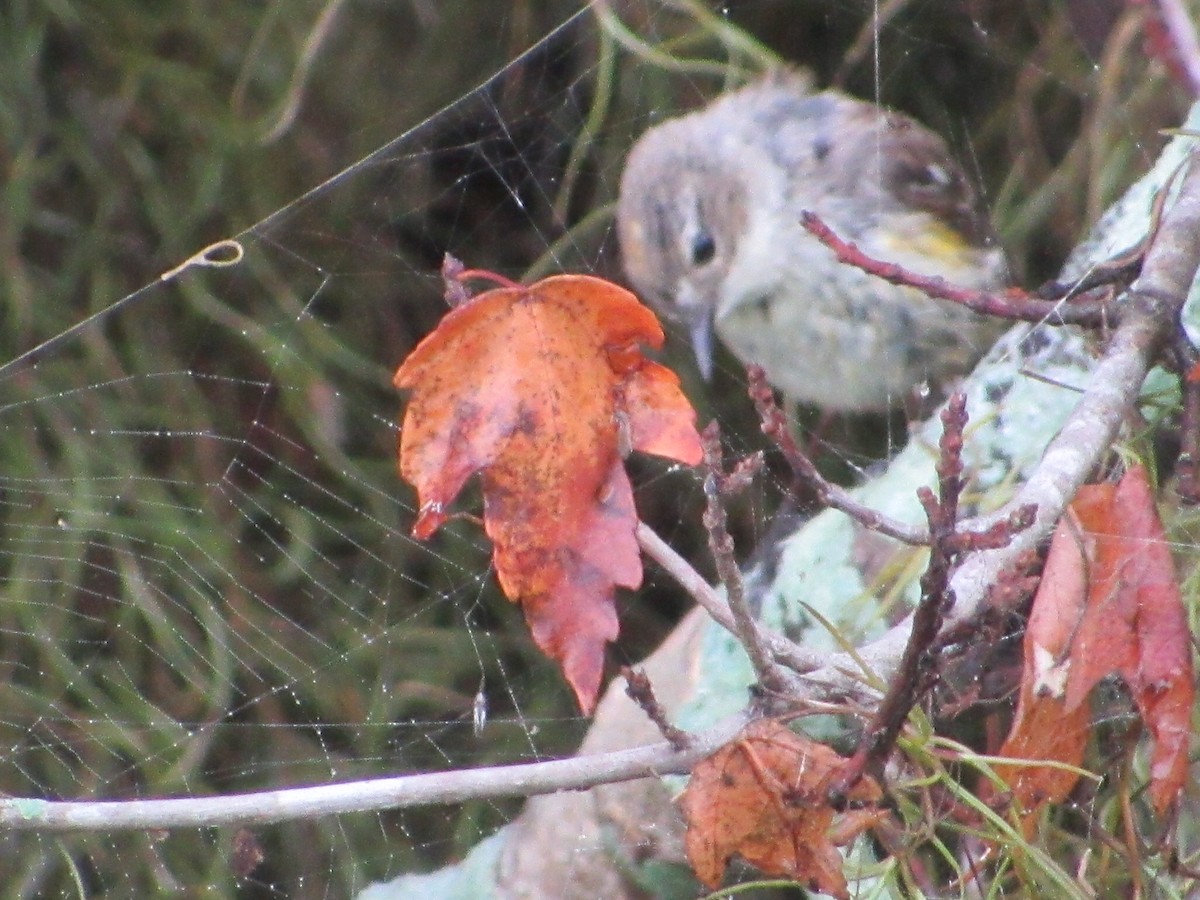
(917, 670)
(774, 425)
(721, 545)
(783, 651)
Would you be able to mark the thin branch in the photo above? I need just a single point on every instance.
(916, 671)
(720, 544)
(785, 652)
(640, 690)
(774, 425)
(1012, 303)
(969, 536)
(405, 791)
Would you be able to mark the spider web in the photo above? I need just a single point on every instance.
(208, 583)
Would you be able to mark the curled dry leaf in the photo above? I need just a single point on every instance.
(1109, 602)
(539, 388)
(1043, 729)
(764, 797)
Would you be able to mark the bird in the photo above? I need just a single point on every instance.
(708, 221)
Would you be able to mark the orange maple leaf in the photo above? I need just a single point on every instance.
(1109, 602)
(539, 388)
(764, 797)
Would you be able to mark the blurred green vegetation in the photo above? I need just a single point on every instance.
(205, 579)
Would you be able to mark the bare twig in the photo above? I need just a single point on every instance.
(641, 691)
(721, 545)
(783, 651)
(995, 533)
(917, 671)
(774, 426)
(1012, 303)
(405, 791)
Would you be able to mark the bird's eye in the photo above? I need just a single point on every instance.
(928, 176)
(704, 248)
(938, 175)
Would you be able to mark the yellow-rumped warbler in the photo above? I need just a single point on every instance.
(709, 225)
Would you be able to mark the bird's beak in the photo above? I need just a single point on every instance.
(701, 334)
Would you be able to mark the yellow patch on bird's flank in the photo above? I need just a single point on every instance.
(934, 240)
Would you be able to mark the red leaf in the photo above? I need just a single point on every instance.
(1110, 550)
(1104, 643)
(1135, 625)
(1043, 728)
(1162, 677)
(528, 385)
